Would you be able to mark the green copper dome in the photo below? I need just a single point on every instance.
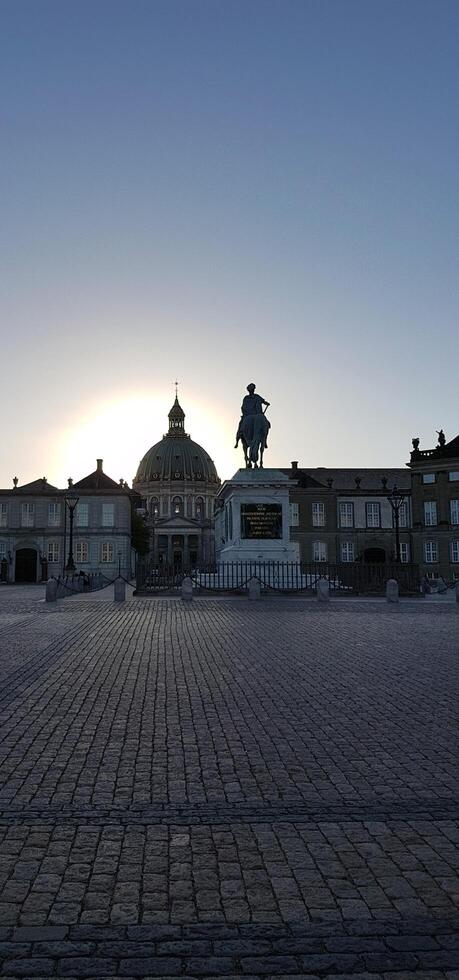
(176, 457)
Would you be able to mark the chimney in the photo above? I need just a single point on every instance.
(294, 464)
(100, 465)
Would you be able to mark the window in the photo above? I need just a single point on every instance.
(454, 511)
(53, 551)
(430, 513)
(429, 477)
(154, 507)
(106, 552)
(27, 515)
(347, 551)
(318, 515)
(404, 552)
(319, 551)
(346, 515)
(54, 515)
(455, 552)
(373, 512)
(199, 508)
(430, 551)
(2, 550)
(82, 514)
(453, 475)
(177, 506)
(3, 515)
(82, 552)
(294, 515)
(403, 515)
(108, 515)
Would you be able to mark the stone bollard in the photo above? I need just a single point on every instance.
(51, 590)
(323, 590)
(457, 591)
(392, 590)
(254, 589)
(120, 590)
(80, 583)
(187, 589)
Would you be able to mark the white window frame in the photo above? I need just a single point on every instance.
(404, 552)
(3, 550)
(107, 553)
(318, 513)
(402, 515)
(454, 552)
(294, 514)
(27, 514)
(108, 515)
(346, 507)
(319, 551)
(347, 551)
(431, 552)
(373, 507)
(3, 515)
(454, 511)
(82, 514)
(54, 514)
(53, 551)
(81, 552)
(430, 513)
(429, 477)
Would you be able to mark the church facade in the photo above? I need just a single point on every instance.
(177, 482)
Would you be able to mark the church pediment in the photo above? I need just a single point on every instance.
(176, 523)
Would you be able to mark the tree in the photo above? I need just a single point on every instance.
(140, 535)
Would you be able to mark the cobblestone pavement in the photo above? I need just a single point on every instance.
(228, 788)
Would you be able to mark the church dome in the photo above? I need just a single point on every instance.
(176, 456)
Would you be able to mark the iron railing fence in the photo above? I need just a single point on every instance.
(347, 578)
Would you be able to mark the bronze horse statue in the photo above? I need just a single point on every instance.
(253, 433)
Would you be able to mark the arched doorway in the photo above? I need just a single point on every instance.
(374, 556)
(26, 565)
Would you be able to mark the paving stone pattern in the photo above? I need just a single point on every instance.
(225, 788)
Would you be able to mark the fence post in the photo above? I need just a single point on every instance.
(254, 588)
(51, 590)
(119, 593)
(392, 590)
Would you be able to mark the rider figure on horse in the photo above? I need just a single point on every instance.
(249, 429)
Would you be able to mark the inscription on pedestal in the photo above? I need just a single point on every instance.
(261, 521)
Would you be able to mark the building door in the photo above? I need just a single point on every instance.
(374, 556)
(26, 565)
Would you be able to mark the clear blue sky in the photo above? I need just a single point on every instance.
(223, 192)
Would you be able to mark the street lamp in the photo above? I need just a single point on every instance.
(71, 500)
(396, 498)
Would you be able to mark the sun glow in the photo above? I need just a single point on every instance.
(122, 430)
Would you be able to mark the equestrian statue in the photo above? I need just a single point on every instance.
(253, 428)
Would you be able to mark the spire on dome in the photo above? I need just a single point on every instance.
(176, 417)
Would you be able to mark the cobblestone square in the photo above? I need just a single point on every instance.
(225, 788)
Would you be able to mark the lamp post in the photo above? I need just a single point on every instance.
(71, 500)
(396, 498)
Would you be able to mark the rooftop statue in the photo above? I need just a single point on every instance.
(253, 428)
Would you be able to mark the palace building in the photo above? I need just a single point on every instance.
(178, 482)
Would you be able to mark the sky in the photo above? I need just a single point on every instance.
(220, 193)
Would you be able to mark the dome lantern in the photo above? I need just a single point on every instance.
(176, 419)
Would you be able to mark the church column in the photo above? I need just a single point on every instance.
(169, 549)
(186, 552)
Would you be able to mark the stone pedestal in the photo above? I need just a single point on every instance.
(252, 523)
